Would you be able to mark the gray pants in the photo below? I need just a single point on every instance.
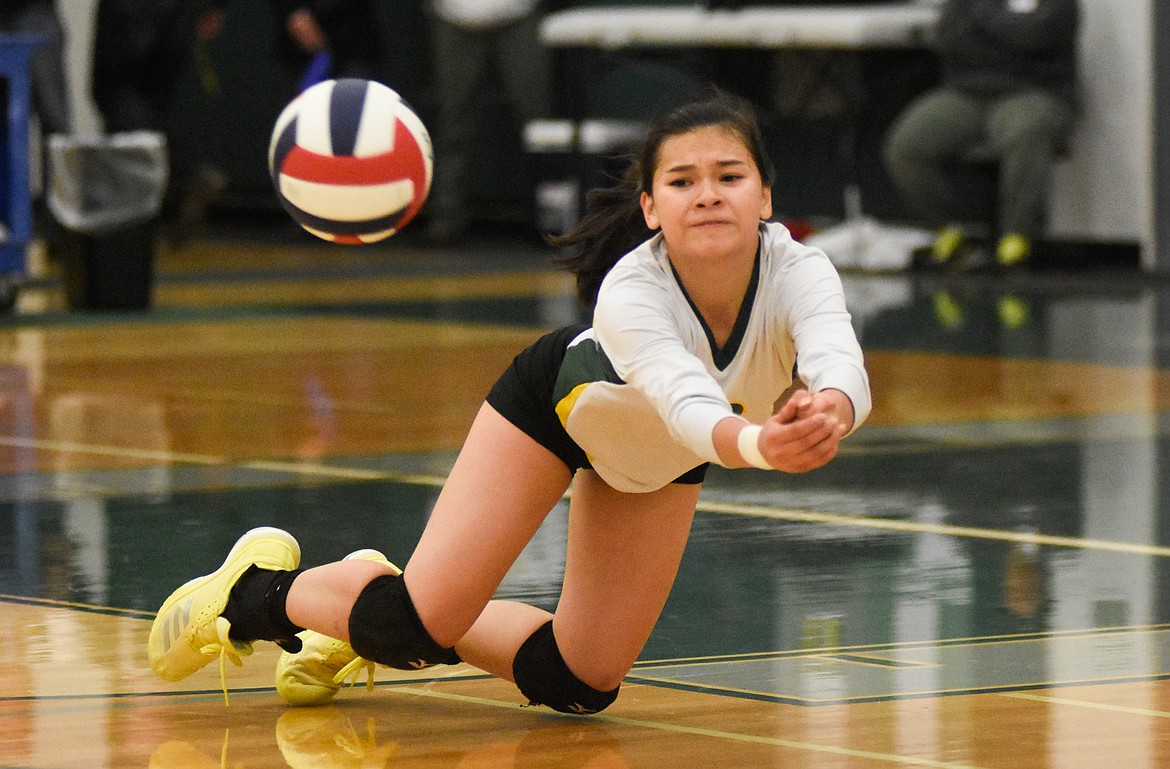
(463, 61)
(1026, 131)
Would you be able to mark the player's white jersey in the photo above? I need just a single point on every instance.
(642, 390)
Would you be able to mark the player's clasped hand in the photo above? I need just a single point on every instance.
(807, 430)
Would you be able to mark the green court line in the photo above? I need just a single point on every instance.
(84, 607)
(659, 672)
(706, 506)
(875, 662)
(813, 702)
(868, 650)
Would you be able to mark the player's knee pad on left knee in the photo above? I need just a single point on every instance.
(385, 627)
(543, 677)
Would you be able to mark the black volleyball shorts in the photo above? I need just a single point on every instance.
(524, 396)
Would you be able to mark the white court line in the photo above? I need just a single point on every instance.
(1086, 704)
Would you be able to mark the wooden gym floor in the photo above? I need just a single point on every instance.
(978, 582)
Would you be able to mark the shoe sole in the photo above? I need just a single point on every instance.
(176, 616)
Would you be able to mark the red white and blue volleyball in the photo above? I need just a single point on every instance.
(351, 161)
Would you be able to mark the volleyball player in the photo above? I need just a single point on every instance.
(698, 330)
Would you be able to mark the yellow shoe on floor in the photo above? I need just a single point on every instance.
(314, 674)
(189, 632)
(946, 244)
(1012, 249)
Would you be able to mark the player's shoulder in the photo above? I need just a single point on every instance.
(645, 265)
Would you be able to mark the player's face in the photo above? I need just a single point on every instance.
(707, 196)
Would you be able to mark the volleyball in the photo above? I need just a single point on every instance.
(351, 161)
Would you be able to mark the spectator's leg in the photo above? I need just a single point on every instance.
(1028, 130)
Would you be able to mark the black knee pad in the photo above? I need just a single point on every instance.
(384, 627)
(544, 678)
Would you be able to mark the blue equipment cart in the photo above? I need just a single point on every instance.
(16, 220)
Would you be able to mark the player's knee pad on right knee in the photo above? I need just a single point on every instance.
(543, 677)
(385, 627)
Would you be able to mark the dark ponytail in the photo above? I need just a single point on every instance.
(613, 224)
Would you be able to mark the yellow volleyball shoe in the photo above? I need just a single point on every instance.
(314, 675)
(189, 630)
(1013, 249)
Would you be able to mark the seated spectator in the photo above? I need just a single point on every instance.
(473, 40)
(1009, 86)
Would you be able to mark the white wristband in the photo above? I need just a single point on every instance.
(748, 443)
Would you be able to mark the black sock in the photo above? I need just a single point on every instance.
(256, 608)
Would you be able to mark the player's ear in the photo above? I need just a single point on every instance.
(648, 212)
